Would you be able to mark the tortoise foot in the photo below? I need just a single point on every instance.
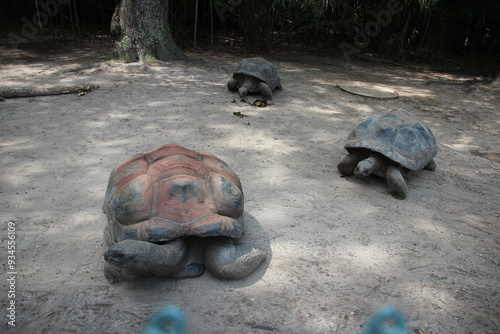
(229, 260)
(190, 270)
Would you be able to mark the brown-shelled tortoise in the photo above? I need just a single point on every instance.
(255, 76)
(388, 145)
(174, 212)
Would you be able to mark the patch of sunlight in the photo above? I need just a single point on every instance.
(21, 173)
(233, 139)
(462, 144)
(122, 113)
(370, 255)
(364, 84)
(409, 91)
(362, 108)
(160, 103)
(98, 124)
(215, 83)
(324, 109)
(430, 227)
(16, 69)
(289, 70)
(323, 82)
(13, 179)
(289, 248)
(480, 103)
(431, 296)
(23, 142)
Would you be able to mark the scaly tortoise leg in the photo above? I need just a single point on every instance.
(396, 182)
(225, 258)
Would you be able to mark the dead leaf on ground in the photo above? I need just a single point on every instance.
(260, 103)
(239, 114)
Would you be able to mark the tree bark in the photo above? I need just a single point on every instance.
(145, 32)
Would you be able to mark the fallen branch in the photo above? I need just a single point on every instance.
(57, 90)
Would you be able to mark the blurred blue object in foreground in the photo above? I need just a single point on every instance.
(171, 320)
(168, 320)
(387, 320)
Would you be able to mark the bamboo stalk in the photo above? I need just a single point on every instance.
(195, 23)
(39, 22)
(211, 25)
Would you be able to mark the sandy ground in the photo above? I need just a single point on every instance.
(338, 248)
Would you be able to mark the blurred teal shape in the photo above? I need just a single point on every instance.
(387, 320)
(168, 320)
(171, 320)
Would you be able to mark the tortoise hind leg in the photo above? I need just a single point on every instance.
(396, 182)
(226, 259)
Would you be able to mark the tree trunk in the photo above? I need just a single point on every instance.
(145, 32)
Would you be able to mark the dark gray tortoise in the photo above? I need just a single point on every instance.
(174, 212)
(388, 145)
(255, 76)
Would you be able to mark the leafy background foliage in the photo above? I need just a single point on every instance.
(427, 29)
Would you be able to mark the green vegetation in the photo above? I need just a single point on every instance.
(398, 29)
(424, 28)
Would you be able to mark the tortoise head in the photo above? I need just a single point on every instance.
(128, 253)
(141, 257)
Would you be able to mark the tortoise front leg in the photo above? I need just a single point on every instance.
(233, 84)
(431, 165)
(193, 265)
(133, 258)
(369, 165)
(246, 87)
(396, 182)
(229, 260)
(265, 91)
(114, 274)
(350, 161)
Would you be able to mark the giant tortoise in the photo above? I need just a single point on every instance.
(387, 145)
(173, 212)
(256, 76)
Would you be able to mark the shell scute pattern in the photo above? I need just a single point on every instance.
(172, 192)
(260, 69)
(397, 135)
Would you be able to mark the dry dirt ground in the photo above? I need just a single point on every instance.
(338, 248)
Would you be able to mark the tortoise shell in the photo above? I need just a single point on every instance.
(172, 192)
(259, 68)
(398, 135)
